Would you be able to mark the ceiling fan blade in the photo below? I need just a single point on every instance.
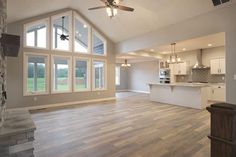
(100, 7)
(121, 7)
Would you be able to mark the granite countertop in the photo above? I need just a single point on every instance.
(17, 122)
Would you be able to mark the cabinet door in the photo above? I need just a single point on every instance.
(183, 68)
(215, 65)
(222, 66)
(176, 69)
(218, 94)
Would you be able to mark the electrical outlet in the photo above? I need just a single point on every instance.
(223, 78)
(234, 76)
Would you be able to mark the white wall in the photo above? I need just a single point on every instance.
(140, 74)
(218, 20)
(123, 79)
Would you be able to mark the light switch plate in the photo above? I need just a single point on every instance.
(234, 76)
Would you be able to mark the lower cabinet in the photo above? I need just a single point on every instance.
(217, 93)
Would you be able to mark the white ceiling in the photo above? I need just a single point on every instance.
(216, 40)
(155, 53)
(149, 15)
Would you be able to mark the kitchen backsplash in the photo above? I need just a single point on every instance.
(201, 76)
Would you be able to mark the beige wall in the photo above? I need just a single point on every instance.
(15, 76)
(142, 73)
(218, 20)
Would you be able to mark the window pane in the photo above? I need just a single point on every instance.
(81, 75)
(41, 37)
(58, 30)
(99, 74)
(36, 79)
(98, 45)
(81, 37)
(117, 75)
(36, 36)
(61, 79)
(30, 41)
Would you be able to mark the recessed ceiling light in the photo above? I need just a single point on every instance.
(85, 26)
(184, 49)
(152, 50)
(209, 45)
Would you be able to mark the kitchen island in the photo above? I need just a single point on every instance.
(193, 95)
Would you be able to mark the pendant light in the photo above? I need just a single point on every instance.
(173, 56)
(126, 64)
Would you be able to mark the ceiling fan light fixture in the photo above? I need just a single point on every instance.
(111, 12)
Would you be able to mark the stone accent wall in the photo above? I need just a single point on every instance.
(17, 135)
(3, 64)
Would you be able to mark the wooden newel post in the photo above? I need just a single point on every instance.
(3, 63)
(223, 130)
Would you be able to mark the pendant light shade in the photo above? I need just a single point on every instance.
(173, 56)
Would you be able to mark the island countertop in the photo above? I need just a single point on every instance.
(180, 84)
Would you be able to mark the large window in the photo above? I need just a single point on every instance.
(81, 74)
(99, 44)
(99, 78)
(35, 74)
(117, 75)
(61, 74)
(61, 32)
(81, 43)
(36, 34)
(71, 56)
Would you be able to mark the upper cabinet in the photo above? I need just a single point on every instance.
(180, 68)
(218, 66)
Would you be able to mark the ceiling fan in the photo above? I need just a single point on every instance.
(112, 6)
(63, 37)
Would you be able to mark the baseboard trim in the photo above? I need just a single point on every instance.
(123, 90)
(139, 91)
(62, 104)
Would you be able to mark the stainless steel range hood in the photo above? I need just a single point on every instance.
(199, 64)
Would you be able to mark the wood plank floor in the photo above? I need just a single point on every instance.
(130, 127)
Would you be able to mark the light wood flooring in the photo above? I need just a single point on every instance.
(132, 126)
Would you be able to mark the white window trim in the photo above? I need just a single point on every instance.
(78, 17)
(69, 58)
(25, 73)
(119, 76)
(88, 74)
(71, 40)
(42, 21)
(105, 75)
(104, 41)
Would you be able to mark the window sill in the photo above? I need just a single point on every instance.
(35, 94)
(37, 48)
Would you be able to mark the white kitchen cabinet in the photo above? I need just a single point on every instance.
(180, 68)
(217, 93)
(218, 66)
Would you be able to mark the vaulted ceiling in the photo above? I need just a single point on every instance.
(149, 15)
